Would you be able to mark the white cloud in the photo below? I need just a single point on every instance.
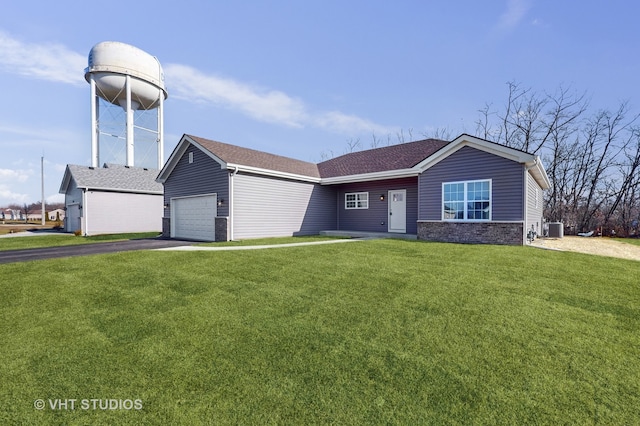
(10, 175)
(266, 105)
(49, 61)
(55, 198)
(271, 106)
(339, 122)
(9, 197)
(516, 10)
(55, 62)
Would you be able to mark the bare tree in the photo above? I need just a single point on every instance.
(353, 145)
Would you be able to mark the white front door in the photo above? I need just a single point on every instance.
(398, 211)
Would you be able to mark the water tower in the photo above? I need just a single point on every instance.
(130, 78)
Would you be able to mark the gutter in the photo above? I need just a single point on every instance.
(231, 198)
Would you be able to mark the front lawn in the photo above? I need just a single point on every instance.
(41, 241)
(370, 332)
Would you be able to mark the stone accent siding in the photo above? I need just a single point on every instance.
(166, 227)
(222, 229)
(506, 233)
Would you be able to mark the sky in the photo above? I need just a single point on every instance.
(303, 79)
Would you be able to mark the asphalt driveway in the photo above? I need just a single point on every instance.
(25, 255)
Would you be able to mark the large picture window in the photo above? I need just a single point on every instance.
(356, 200)
(469, 200)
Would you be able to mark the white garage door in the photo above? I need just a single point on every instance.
(194, 217)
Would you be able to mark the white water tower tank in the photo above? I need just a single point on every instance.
(124, 75)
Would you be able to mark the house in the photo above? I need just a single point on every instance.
(111, 199)
(468, 190)
(12, 214)
(56, 214)
(34, 216)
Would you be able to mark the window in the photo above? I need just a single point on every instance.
(356, 200)
(466, 200)
(191, 157)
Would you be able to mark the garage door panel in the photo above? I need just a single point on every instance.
(194, 217)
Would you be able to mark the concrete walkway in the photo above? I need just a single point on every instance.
(259, 247)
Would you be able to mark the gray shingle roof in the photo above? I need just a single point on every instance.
(250, 157)
(116, 177)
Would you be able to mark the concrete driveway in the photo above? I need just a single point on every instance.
(25, 255)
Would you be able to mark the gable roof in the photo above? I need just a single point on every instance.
(394, 161)
(393, 157)
(236, 155)
(112, 177)
(233, 157)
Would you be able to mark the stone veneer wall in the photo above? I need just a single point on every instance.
(507, 233)
(222, 229)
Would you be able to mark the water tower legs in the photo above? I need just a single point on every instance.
(129, 112)
(95, 152)
(160, 131)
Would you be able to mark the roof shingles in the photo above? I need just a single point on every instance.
(394, 157)
(116, 177)
(263, 160)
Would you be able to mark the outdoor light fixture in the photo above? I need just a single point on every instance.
(220, 201)
(381, 197)
(166, 206)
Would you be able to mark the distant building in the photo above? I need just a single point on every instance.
(11, 214)
(56, 214)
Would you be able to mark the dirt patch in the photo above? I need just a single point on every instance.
(601, 246)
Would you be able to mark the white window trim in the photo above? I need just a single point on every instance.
(465, 182)
(191, 157)
(357, 200)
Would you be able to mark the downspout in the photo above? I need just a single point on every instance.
(231, 221)
(526, 199)
(84, 212)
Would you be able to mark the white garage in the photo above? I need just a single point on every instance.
(112, 199)
(194, 217)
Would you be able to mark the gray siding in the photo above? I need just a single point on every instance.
(203, 176)
(471, 164)
(271, 207)
(375, 218)
(534, 205)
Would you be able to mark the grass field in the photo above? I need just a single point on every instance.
(17, 243)
(371, 332)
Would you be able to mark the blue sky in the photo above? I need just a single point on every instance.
(300, 78)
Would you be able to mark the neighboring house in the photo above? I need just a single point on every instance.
(10, 214)
(55, 214)
(468, 190)
(34, 216)
(111, 199)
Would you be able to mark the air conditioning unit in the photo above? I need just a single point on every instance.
(556, 230)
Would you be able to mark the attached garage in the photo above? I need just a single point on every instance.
(194, 218)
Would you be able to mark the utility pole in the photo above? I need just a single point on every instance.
(42, 179)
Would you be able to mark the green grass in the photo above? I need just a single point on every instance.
(634, 241)
(371, 332)
(40, 241)
(272, 241)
